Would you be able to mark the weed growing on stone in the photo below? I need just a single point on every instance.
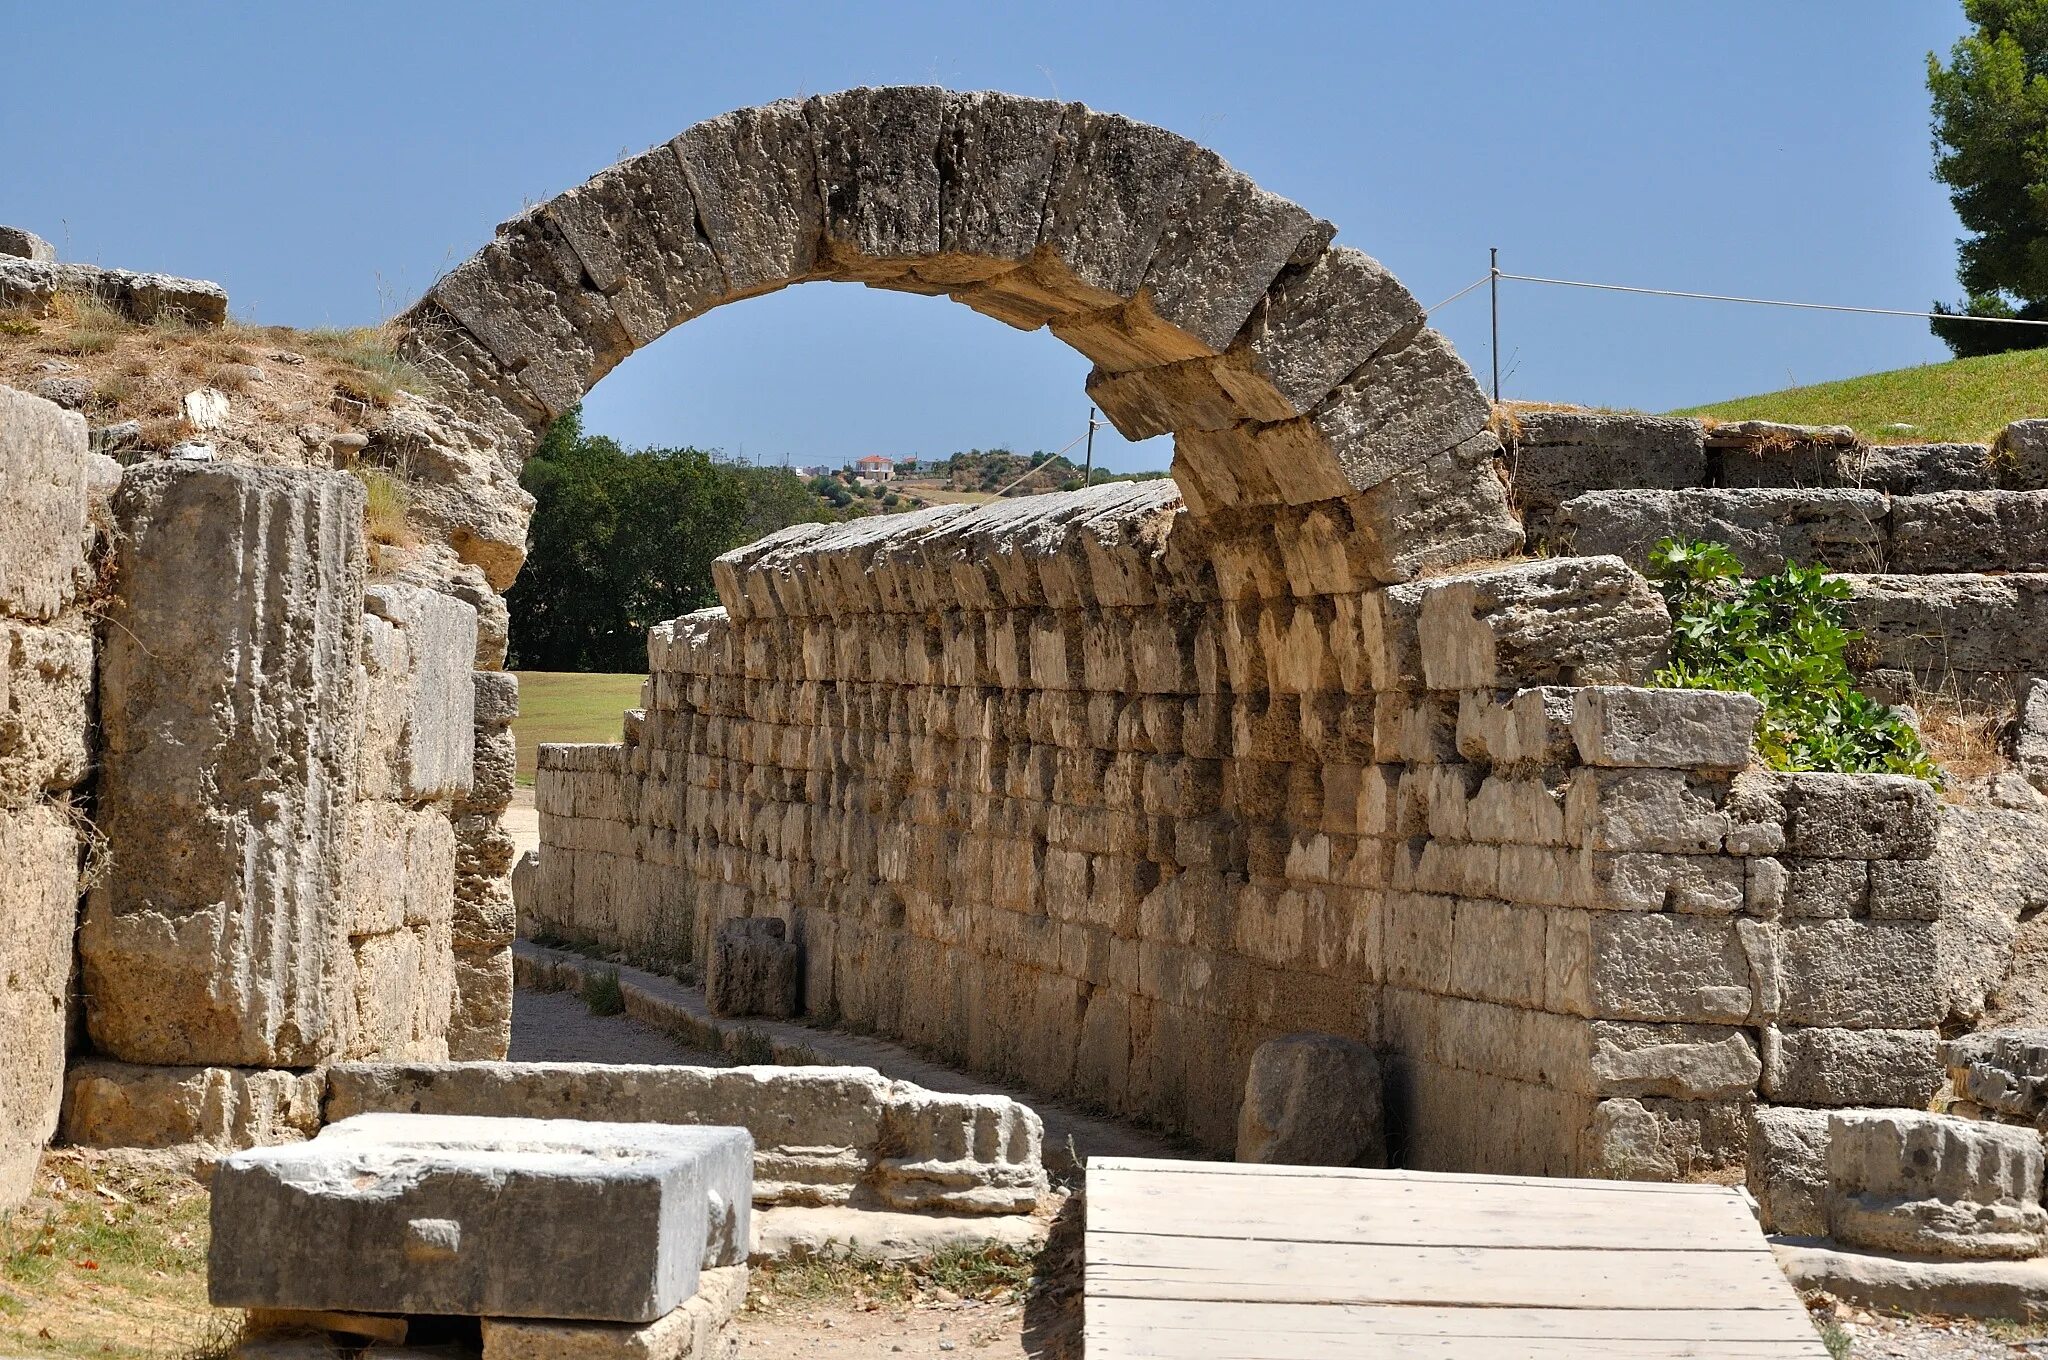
(1836, 1338)
(749, 1047)
(386, 502)
(602, 993)
(1780, 638)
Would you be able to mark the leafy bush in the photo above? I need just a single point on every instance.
(602, 992)
(1780, 638)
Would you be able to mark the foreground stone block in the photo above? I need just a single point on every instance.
(229, 708)
(1312, 1100)
(753, 969)
(39, 850)
(702, 1329)
(480, 1218)
(112, 1104)
(419, 738)
(43, 484)
(1787, 1170)
(1904, 1181)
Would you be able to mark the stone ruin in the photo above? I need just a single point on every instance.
(1102, 791)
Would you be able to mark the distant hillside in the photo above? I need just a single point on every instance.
(1964, 400)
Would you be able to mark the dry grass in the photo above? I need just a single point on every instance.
(1964, 736)
(386, 505)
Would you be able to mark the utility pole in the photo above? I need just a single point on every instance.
(1088, 473)
(1493, 278)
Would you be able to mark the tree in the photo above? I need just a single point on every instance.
(622, 540)
(1991, 149)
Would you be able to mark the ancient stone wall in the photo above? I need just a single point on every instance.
(46, 684)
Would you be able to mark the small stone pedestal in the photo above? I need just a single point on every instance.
(753, 969)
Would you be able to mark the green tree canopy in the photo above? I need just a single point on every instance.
(623, 539)
(1991, 149)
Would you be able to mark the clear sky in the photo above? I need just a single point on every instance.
(327, 162)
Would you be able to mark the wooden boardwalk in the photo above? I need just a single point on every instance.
(1217, 1261)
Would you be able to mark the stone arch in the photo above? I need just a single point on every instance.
(1289, 371)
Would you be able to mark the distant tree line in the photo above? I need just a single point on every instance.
(623, 539)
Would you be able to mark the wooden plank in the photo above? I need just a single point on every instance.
(1418, 1213)
(1133, 1265)
(1732, 1324)
(1259, 1170)
(1139, 1344)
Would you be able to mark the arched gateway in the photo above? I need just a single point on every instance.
(1289, 370)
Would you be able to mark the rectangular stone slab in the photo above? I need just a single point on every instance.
(472, 1217)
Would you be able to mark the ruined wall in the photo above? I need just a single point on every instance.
(46, 680)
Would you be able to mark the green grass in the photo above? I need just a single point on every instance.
(1967, 400)
(565, 706)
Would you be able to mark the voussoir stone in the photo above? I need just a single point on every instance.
(403, 1213)
(219, 936)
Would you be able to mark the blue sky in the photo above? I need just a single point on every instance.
(326, 163)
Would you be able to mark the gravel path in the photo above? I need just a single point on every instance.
(558, 1027)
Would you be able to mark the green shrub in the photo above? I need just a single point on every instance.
(602, 993)
(1780, 638)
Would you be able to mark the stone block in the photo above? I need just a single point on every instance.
(404, 987)
(958, 1154)
(39, 861)
(1657, 810)
(1556, 455)
(225, 787)
(1312, 1100)
(43, 483)
(634, 228)
(753, 969)
(25, 245)
(402, 1213)
(1859, 816)
(2030, 739)
(1844, 1067)
(1918, 469)
(1964, 531)
(1440, 512)
(46, 675)
(1649, 966)
(113, 1105)
(701, 1328)
(1857, 973)
(1405, 405)
(1687, 1062)
(1928, 1183)
(1788, 1169)
(480, 1020)
(2019, 456)
(1650, 1139)
(1974, 633)
(35, 284)
(755, 180)
(419, 730)
(400, 868)
(1680, 729)
(1562, 621)
(1841, 528)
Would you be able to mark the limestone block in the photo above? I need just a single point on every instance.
(1107, 203)
(400, 867)
(1977, 632)
(458, 1205)
(1441, 512)
(419, 734)
(1928, 1183)
(1658, 810)
(878, 171)
(229, 708)
(496, 701)
(1632, 880)
(43, 483)
(524, 882)
(1688, 1062)
(1649, 966)
(1842, 528)
(1224, 245)
(25, 245)
(112, 1104)
(1919, 469)
(404, 988)
(700, 1328)
(1312, 1100)
(39, 860)
(494, 771)
(1317, 325)
(1788, 1169)
(1766, 453)
(634, 228)
(1960, 531)
(480, 1018)
(35, 284)
(1651, 1139)
(1402, 407)
(46, 675)
(1556, 621)
(2030, 741)
(1859, 816)
(1856, 973)
(2019, 456)
(1533, 728)
(1556, 455)
(959, 1153)
(753, 969)
(2003, 1070)
(1852, 1066)
(1827, 888)
(755, 179)
(996, 154)
(1619, 725)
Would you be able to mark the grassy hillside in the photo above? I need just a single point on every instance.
(1967, 400)
(562, 706)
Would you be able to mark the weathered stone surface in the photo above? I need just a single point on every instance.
(228, 706)
(753, 969)
(1556, 455)
(2019, 456)
(878, 170)
(1914, 1284)
(1400, 409)
(400, 1213)
(1225, 244)
(996, 154)
(400, 867)
(111, 1104)
(755, 179)
(1965, 531)
(1559, 621)
(1993, 882)
(1841, 528)
(634, 227)
(701, 1328)
(958, 1154)
(2005, 1071)
(419, 705)
(1845, 1067)
(1673, 729)
(480, 1020)
(1687, 1062)
(464, 489)
(46, 675)
(1856, 974)
(1787, 1170)
(2030, 740)
(1662, 811)
(25, 245)
(140, 297)
(39, 860)
(1904, 1181)
(1312, 1100)
(1859, 816)
(1922, 469)
(1108, 201)
(43, 483)
(1971, 634)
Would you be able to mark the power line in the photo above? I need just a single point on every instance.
(1750, 301)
